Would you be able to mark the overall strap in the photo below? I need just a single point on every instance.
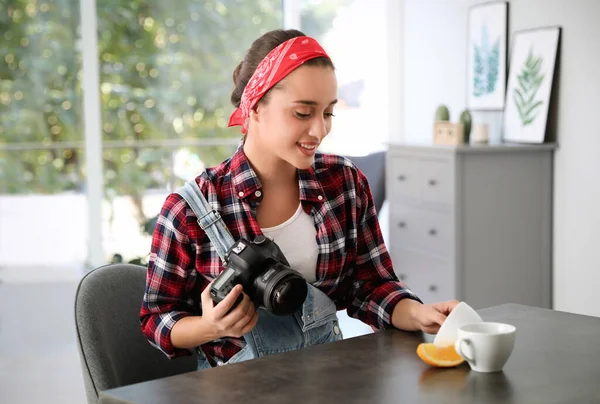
(208, 218)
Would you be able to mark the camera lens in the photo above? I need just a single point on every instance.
(284, 292)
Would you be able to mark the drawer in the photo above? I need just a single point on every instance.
(403, 181)
(430, 277)
(420, 179)
(422, 229)
(436, 181)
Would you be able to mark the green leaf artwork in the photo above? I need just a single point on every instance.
(530, 79)
(486, 64)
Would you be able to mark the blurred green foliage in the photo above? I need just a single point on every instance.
(165, 73)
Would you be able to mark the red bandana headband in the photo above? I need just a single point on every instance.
(280, 62)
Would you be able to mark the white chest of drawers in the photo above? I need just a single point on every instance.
(472, 223)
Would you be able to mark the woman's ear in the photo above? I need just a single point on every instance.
(255, 114)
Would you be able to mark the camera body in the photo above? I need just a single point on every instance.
(264, 272)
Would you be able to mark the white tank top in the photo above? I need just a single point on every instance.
(296, 237)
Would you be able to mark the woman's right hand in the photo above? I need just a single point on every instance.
(236, 323)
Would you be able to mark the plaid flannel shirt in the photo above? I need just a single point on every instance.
(353, 267)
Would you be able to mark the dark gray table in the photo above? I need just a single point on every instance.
(556, 359)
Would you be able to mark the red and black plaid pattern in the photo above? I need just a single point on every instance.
(353, 268)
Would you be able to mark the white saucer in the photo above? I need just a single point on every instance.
(461, 315)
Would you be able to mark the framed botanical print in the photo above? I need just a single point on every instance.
(532, 66)
(486, 55)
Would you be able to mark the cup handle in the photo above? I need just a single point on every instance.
(458, 346)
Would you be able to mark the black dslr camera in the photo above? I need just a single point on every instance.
(264, 272)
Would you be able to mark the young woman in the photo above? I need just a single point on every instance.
(317, 208)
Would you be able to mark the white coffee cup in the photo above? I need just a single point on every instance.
(486, 346)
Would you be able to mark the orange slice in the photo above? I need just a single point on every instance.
(445, 357)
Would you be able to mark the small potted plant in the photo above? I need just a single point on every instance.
(450, 133)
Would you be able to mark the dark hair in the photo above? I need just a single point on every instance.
(257, 52)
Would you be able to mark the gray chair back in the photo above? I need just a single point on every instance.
(373, 167)
(112, 348)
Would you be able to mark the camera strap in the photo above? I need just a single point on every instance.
(208, 218)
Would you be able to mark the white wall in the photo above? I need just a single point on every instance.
(434, 46)
(434, 63)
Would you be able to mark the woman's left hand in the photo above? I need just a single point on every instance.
(410, 315)
(430, 317)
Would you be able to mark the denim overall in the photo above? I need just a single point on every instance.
(315, 323)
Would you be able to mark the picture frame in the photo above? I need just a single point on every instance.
(530, 81)
(487, 38)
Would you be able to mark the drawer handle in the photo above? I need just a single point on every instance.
(432, 232)
(432, 182)
(401, 177)
(402, 225)
(433, 288)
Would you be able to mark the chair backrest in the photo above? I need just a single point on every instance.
(112, 348)
(373, 167)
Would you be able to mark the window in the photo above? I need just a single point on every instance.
(41, 153)
(40, 98)
(164, 87)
